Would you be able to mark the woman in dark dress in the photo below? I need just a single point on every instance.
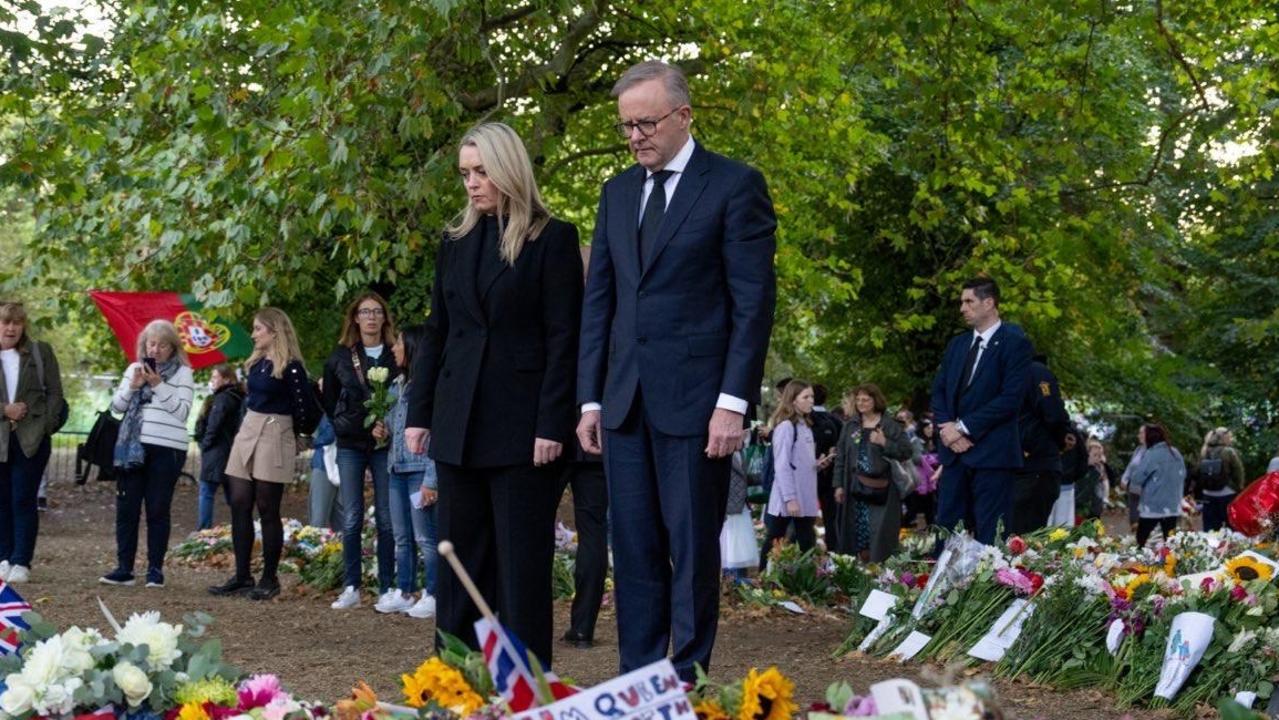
(494, 387)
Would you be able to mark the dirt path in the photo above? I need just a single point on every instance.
(320, 653)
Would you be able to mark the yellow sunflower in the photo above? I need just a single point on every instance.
(710, 710)
(435, 680)
(1170, 565)
(767, 696)
(1245, 568)
(1136, 582)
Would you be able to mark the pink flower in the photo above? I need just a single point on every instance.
(1018, 580)
(258, 691)
(1238, 593)
(1207, 584)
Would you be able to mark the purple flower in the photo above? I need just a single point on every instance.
(1158, 602)
(908, 578)
(861, 707)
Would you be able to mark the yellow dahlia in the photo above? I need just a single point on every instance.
(1245, 568)
(1058, 534)
(767, 696)
(193, 711)
(438, 682)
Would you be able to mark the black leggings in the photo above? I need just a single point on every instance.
(266, 496)
(1145, 526)
(776, 526)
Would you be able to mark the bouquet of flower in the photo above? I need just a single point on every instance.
(767, 695)
(379, 402)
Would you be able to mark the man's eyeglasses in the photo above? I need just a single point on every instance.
(370, 312)
(646, 127)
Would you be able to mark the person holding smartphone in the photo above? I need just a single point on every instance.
(155, 396)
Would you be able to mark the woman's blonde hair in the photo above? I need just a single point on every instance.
(786, 406)
(1215, 438)
(15, 312)
(285, 349)
(162, 331)
(521, 216)
(351, 322)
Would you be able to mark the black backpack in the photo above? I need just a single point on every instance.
(1212, 473)
(98, 448)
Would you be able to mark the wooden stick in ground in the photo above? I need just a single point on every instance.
(445, 549)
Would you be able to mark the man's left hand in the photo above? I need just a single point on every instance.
(725, 433)
(962, 445)
(949, 434)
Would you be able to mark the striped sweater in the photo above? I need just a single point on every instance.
(164, 419)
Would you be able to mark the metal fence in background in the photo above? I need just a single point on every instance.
(66, 467)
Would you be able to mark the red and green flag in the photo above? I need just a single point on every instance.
(207, 339)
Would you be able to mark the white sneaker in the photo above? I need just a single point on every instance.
(423, 608)
(18, 573)
(393, 601)
(349, 598)
(4, 569)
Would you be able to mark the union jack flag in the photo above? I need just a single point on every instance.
(509, 664)
(11, 623)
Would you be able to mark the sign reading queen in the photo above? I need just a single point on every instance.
(653, 692)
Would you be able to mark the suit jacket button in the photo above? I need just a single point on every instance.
(643, 293)
(642, 340)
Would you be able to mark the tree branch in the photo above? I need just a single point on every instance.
(573, 157)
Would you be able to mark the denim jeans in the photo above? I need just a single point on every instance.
(351, 466)
(150, 485)
(415, 533)
(208, 499)
(19, 520)
(325, 507)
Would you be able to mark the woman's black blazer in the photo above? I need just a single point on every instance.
(498, 365)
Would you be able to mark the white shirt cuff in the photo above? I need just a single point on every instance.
(735, 404)
(961, 427)
(591, 407)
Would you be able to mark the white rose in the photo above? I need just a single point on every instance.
(43, 665)
(378, 374)
(18, 697)
(134, 683)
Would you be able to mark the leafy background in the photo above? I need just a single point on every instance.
(1111, 164)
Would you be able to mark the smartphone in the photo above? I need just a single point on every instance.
(149, 362)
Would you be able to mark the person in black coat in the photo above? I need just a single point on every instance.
(215, 430)
(1043, 423)
(493, 387)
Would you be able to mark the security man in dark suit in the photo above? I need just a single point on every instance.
(977, 394)
(1044, 424)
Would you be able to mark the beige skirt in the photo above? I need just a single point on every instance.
(264, 449)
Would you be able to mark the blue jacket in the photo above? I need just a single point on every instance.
(322, 436)
(990, 405)
(693, 318)
(1160, 476)
(401, 460)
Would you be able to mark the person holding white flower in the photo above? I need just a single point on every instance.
(362, 356)
(260, 464)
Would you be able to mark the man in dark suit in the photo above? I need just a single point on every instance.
(976, 397)
(1043, 423)
(676, 320)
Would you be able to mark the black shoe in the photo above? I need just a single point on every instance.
(155, 578)
(267, 588)
(234, 586)
(117, 577)
(578, 640)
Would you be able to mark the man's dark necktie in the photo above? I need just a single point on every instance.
(651, 221)
(970, 361)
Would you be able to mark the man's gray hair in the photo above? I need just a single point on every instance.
(671, 76)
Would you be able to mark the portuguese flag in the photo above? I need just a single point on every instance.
(207, 340)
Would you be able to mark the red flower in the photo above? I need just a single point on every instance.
(921, 581)
(1016, 545)
(1237, 593)
(1036, 580)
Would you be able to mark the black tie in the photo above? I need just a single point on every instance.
(651, 221)
(970, 361)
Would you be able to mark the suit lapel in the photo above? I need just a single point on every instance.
(630, 187)
(687, 191)
(468, 267)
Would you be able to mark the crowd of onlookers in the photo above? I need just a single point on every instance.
(867, 474)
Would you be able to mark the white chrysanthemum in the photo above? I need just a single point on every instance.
(42, 666)
(76, 645)
(18, 697)
(160, 637)
(59, 698)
